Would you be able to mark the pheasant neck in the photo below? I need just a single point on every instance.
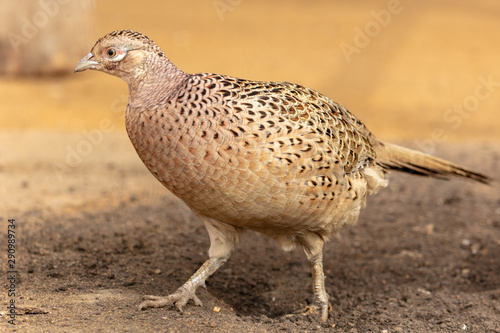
(155, 87)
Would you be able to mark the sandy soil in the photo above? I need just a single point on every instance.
(96, 231)
(423, 257)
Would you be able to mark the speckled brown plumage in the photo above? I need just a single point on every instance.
(274, 157)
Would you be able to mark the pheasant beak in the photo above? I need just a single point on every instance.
(86, 63)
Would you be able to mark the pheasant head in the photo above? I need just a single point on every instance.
(133, 57)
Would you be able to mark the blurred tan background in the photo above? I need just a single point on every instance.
(400, 66)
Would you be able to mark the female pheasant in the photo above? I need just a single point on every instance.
(274, 157)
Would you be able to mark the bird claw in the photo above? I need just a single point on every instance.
(179, 299)
(317, 309)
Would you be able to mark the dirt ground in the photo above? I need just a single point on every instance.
(95, 231)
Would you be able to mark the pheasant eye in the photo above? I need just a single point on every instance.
(111, 53)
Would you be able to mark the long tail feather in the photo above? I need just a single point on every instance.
(398, 158)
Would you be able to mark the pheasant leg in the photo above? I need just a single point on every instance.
(314, 252)
(188, 290)
(320, 295)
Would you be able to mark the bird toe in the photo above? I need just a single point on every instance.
(317, 309)
(179, 299)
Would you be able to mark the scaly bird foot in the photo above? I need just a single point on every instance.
(321, 309)
(179, 299)
(187, 291)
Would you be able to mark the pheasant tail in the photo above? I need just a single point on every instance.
(398, 158)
